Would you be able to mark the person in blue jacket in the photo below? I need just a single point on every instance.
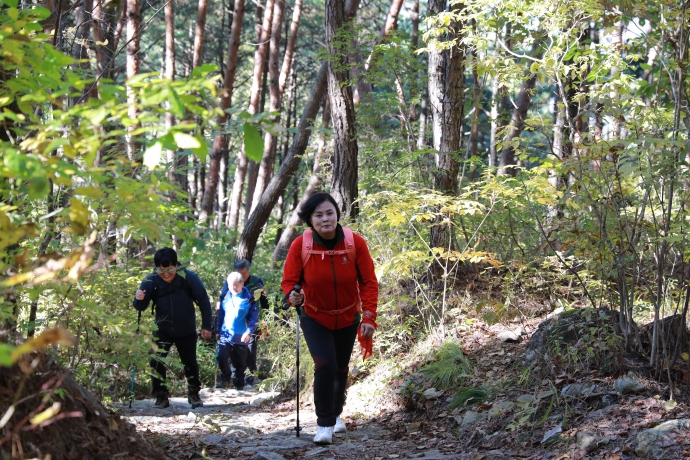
(173, 290)
(238, 317)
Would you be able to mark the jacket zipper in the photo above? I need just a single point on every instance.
(335, 290)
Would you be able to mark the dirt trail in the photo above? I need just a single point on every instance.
(237, 424)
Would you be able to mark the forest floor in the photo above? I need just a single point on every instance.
(571, 415)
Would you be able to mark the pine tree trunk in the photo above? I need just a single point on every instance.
(133, 63)
(280, 180)
(446, 87)
(345, 161)
(220, 141)
(255, 94)
(517, 120)
(271, 140)
(199, 34)
(315, 184)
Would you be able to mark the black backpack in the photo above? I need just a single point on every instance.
(170, 288)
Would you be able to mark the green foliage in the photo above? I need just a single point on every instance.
(466, 396)
(449, 367)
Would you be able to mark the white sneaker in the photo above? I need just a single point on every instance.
(324, 435)
(339, 426)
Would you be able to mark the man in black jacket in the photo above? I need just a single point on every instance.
(174, 290)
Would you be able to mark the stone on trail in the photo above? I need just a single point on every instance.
(433, 393)
(651, 443)
(627, 385)
(263, 398)
(510, 336)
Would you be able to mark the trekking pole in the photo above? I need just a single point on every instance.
(297, 289)
(134, 367)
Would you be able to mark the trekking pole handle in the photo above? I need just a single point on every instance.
(296, 289)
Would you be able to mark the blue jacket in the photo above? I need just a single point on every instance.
(238, 315)
(253, 284)
(174, 305)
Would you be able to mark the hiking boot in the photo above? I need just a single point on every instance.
(249, 380)
(194, 399)
(162, 401)
(324, 435)
(223, 383)
(339, 426)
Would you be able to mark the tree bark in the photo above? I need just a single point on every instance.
(446, 87)
(220, 141)
(345, 161)
(133, 64)
(415, 24)
(271, 140)
(315, 184)
(277, 185)
(499, 104)
(199, 34)
(290, 47)
(517, 120)
(255, 94)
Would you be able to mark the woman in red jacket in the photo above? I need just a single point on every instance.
(338, 299)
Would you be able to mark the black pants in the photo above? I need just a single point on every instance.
(186, 347)
(251, 355)
(331, 352)
(238, 356)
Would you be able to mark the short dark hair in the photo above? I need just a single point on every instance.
(312, 203)
(165, 257)
(241, 264)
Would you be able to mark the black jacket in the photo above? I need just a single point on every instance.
(174, 305)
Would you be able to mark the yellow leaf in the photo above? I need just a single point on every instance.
(56, 336)
(685, 356)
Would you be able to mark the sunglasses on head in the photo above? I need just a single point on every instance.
(167, 270)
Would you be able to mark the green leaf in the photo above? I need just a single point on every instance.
(152, 155)
(203, 69)
(253, 143)
(11, 3)
(185, 141)
(6, 354)
(176, 105)
(202, 151)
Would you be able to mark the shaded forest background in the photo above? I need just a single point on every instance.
(541, 146)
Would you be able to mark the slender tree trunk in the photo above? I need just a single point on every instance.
(169, 10)
(415, 24)
(104, 39)
(271, 140)
(133, 25)
(315, 185)
(290, 47)
(255, 94)
(279, 182)
(477, 100)
(199, 34)
(345, 163)
(446, 87)
(499, 104)
(220, 141)
(116, 32)
(517, 120)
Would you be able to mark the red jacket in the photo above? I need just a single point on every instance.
(330, 284)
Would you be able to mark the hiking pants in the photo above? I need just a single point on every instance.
(238, 356)
(331, 352)
(186, 347)
(251, 355)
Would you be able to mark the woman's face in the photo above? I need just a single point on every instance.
(237, 287)
(324, 220)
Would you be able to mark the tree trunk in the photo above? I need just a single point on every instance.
(415, 24)
(315, 184)
(133, 63)
(446, 87)
(220, 141)
(271, 140)
(104, 38)
(344, 181)
(499, 104)
(277, 185)
(199, 34)
(517, 120)
(290, 47)
(170, 75)
(255, 94)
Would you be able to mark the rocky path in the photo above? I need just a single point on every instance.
(251, 425)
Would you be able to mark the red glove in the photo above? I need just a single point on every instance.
(366, 343)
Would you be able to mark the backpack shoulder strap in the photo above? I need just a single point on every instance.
(350, 243)
(307, 245)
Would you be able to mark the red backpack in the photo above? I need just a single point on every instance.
(308, 244)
